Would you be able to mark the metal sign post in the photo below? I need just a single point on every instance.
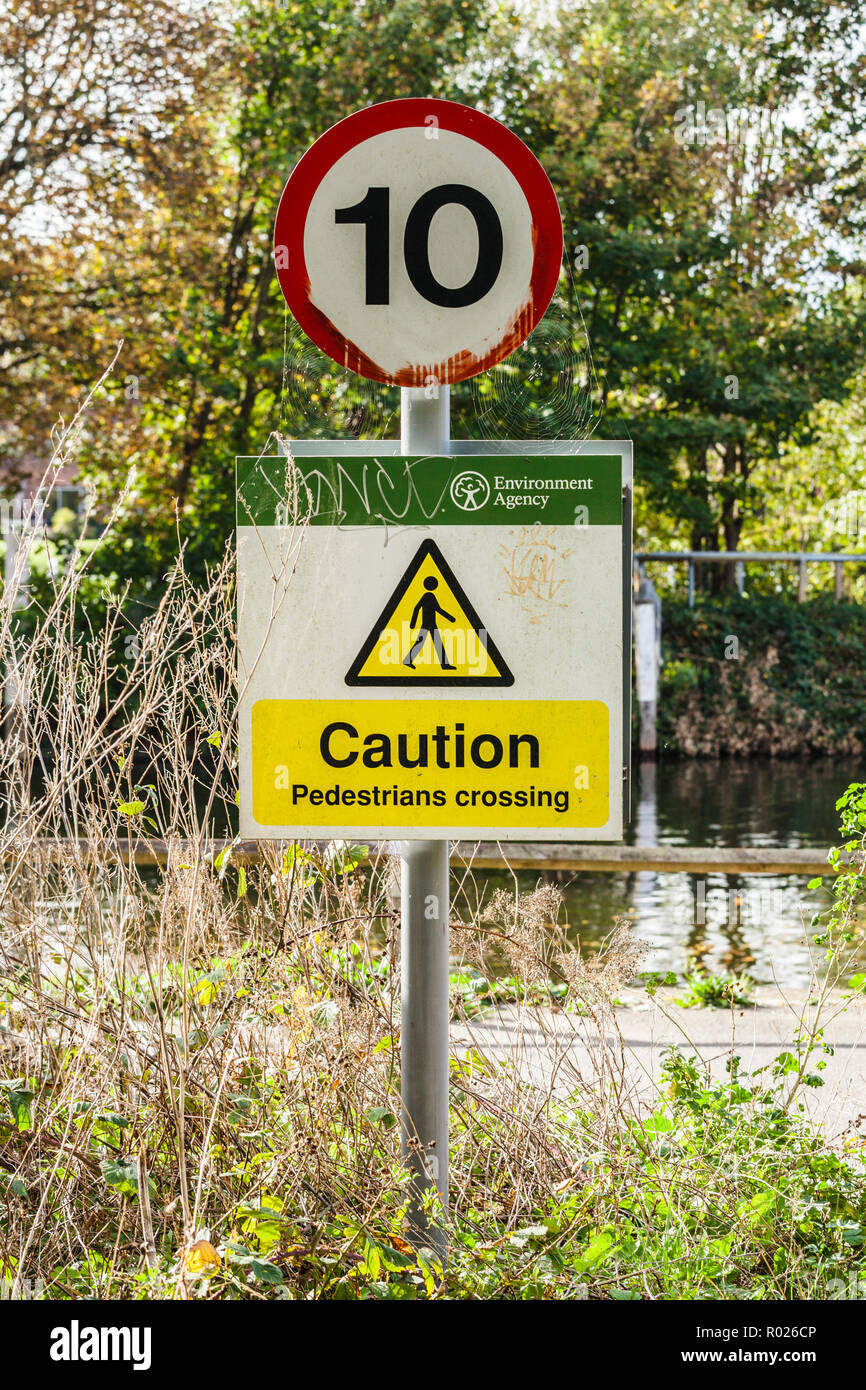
(457, 606)
(464, 673)
(425, 427)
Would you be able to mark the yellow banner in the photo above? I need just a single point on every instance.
(502, 763)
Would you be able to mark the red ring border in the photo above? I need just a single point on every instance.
(393, 115)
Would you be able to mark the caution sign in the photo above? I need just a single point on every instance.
(369, 762)
(429, 633)
(433, 647)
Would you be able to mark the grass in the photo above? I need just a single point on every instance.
(199, 1063)
(286, 1135)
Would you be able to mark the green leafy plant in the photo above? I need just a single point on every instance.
(708, 991)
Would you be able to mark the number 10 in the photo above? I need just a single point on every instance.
(373, 212)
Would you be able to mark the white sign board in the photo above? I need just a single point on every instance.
(433, 647)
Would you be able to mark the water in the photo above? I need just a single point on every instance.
(758, 923)
(753, 923)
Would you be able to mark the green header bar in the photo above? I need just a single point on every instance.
(488, 490)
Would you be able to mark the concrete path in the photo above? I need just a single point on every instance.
(552, 1048)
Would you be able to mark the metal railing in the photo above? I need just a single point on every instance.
(740, 558)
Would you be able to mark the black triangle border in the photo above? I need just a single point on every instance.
(426, 548)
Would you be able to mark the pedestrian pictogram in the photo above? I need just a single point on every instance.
(429, 633)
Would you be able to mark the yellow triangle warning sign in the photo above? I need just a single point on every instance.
(429, 633)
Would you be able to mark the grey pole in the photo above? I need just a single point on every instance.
(18, 530)
(424, 907)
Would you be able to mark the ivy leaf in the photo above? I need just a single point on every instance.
(122, 1175)
(131, 808)
(347, 858)
(381, 1115)
(19, 1104)
(238, 1254)
(222, 860)
(600, 1248)
(372, 1258)
(325, 1013)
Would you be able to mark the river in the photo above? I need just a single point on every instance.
(722, 922)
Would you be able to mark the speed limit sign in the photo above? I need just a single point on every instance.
(418, 241)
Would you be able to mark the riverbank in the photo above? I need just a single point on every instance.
(553, 1049)
(745, 676)
(200, 1056)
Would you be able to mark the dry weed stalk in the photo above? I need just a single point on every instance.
(221, 1032)
(204, 1056)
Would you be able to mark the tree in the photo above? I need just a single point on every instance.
(100, 141)
(707, 221)
(712, 296)
(181, 265)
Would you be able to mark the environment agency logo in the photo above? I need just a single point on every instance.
(470, 491)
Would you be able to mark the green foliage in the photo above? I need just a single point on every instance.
(473, 992)
(122, 1176)
(722, 991)
(705, 260)
(849, 884)
(723, 1192)
(20, 1102)
(680, 676)
(795, 686)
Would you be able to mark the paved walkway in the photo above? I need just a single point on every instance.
(551, 1047)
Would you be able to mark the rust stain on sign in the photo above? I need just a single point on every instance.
(459, 367)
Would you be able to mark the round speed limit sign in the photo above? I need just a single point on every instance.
(418, 241)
